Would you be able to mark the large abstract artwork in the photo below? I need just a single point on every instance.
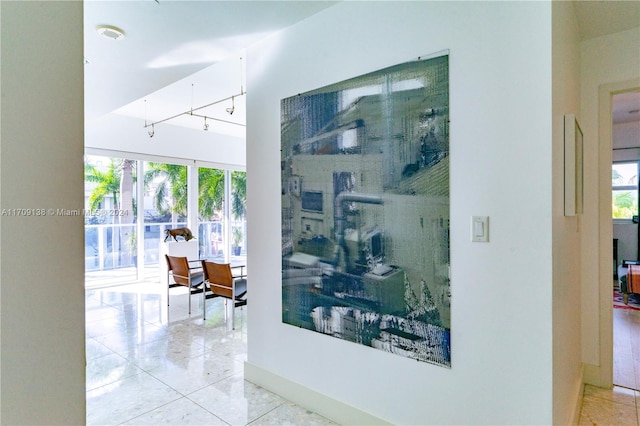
(365, 210)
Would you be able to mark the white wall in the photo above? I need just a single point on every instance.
(501, 130)
(606, 60)
(627, 235)
(41, 263)
(567, 357)
(627, 135)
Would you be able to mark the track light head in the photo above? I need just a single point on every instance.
(206, 126)
(152, 131)
(233, 106)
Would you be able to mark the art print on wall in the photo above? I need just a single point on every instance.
(365, 210)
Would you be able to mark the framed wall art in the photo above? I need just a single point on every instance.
(365, 210)
(573, 166)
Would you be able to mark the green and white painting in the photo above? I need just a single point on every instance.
(365, 210)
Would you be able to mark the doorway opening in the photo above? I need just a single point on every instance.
(625, 142)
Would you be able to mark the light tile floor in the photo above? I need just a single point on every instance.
(147, 364)
(620, 405)
(617, 406)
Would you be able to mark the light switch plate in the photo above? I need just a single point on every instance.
(480, 229)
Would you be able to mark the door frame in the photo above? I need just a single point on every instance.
(605, 223)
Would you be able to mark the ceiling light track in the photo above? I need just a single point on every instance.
(192, 111)
(206, 117)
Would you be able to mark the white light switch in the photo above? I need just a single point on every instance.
(480, 229)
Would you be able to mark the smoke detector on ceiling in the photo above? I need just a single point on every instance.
(111, 32)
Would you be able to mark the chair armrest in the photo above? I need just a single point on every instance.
(197, 266)
(242, 274)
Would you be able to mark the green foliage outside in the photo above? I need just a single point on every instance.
(107, 183)
(170, 193)
(625, 205)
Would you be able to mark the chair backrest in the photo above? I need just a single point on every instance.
(179, 268)
(219, 277)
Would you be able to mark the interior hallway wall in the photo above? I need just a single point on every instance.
(501, 132)
(567, 232)
(41, 264)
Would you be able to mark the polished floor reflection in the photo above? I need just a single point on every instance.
(149, 364)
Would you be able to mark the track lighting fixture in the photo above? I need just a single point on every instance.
(233, 106)
(193, 111)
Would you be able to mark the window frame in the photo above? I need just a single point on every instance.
(635, 187)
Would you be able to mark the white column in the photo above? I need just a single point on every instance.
(192, 198)
(227, 215)
(140, 216)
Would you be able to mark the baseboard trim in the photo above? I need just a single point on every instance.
(591, 375)
(575, 419)
(310, 399)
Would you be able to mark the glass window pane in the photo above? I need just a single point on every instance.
(211, 214)
(238, 211)
(624, 174)
(110, 216)
(625, 204)
(165, 205)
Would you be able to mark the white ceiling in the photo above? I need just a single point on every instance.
(167, 41)
(167, 54)
(598, 18)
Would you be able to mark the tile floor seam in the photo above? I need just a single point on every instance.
(261, 416)
(150, 411)
(604, 398)
(207, 410)
(185, 395)
(113, 383)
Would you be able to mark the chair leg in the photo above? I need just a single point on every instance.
(189, 292)
(204, 301)
(233, 310)
(233, 301)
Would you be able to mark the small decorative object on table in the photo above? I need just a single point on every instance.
(178, 232)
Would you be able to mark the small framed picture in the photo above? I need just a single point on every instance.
(573, 167)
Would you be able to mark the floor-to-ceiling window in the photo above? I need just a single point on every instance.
(130, 204)
(110, 216)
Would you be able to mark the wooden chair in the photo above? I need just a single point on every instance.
(185, 275)
(218, 277)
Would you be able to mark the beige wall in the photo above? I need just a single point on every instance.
(567, 231)
(41, 264)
